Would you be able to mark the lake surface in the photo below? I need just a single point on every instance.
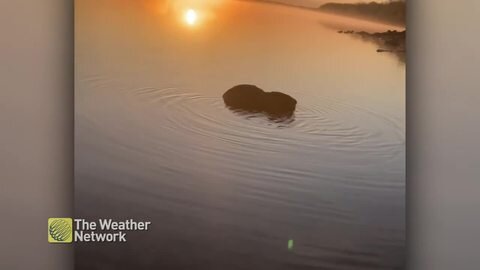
(154, 140)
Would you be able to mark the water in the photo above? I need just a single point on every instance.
(225, 190)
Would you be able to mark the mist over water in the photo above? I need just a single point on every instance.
(227, 190)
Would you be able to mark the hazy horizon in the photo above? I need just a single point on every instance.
(317, 3)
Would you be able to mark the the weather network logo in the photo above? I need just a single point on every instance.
(60, 230)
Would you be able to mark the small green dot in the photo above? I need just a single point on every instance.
(290, 244)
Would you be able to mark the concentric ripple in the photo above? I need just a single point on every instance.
(314, 128)
(328, 141)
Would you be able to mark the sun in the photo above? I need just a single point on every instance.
(191, 17)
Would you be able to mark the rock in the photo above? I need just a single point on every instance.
(250, 98)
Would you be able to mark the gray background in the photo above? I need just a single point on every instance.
(36, 138)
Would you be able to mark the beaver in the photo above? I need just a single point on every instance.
(250, 98)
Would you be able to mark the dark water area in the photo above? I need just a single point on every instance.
(227, 189)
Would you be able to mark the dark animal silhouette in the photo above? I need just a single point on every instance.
(250, 98)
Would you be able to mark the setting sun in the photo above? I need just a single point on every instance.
(191, 17)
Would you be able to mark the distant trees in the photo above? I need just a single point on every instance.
(390, 11)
